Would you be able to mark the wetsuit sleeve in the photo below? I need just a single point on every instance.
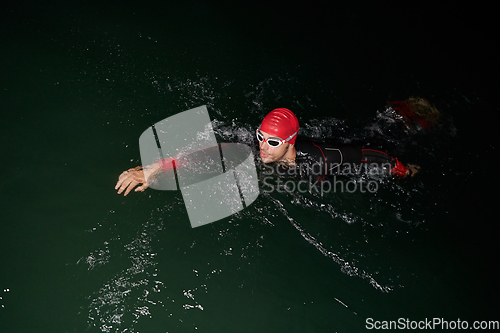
(191, 160)
(374, 156)
(168, 164)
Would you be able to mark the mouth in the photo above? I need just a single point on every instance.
(262, 154)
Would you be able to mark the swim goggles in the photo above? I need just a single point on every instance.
(273, 142)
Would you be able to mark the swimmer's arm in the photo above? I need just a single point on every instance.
(129, 179)
(398, 168)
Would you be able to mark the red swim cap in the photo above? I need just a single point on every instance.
(281, 123)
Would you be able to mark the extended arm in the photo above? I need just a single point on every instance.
(129, 179)
(397, 168)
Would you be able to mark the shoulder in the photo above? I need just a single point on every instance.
(305, 144)
(330, 150)
(310, 145)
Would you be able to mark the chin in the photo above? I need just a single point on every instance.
(267, 159)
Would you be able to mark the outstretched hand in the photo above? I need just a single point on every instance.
(130, 179)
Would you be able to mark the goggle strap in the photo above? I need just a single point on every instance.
(287, 139)
(291, 136)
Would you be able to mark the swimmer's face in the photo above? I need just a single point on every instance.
(269, 154)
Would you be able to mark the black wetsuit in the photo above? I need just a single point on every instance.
(316, 160)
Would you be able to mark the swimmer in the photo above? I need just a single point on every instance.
(302, 157)
(281, 148)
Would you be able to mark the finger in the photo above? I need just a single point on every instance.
(125, 184)
(142, 188)
(127, 174)
(118, 183)
(124, 174)
(130, 187)
(122, 177)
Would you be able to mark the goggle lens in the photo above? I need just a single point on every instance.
(271, 141)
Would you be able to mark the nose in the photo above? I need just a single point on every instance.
(264, 145)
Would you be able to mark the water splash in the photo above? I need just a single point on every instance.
(112, 302)
(345, 266)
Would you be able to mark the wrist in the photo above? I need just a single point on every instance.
(400, 169)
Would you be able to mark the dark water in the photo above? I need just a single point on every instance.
(81, 81)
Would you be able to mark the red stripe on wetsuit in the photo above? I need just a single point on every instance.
(399, 169)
